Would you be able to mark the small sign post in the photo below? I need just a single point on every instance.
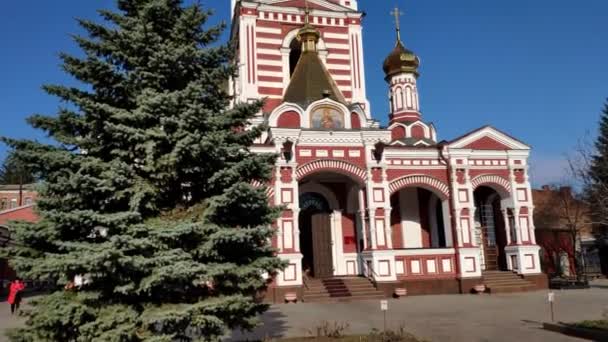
(384, 308)
(551, 299)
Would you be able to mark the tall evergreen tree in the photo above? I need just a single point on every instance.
(151, 228)
(13, 171)
(596, 180)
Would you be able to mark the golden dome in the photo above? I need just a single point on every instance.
(401, 60)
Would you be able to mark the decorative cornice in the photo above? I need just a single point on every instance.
(495, 180)
(331, 165)
(413, 180)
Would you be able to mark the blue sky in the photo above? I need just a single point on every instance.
(535, 69)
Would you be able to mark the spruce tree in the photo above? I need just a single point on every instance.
(14, 172)
(151, 229)
(596, 180)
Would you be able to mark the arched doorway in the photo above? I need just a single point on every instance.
(315, 235)
(490, 225)
(418, 219)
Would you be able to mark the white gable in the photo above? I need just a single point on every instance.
(488, 134)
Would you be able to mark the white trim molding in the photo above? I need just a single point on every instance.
(432, 184)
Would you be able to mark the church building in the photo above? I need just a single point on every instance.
(394, 207)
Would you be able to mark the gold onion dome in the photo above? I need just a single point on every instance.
(401, 60)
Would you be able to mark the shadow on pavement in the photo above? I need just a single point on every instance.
(273, 326)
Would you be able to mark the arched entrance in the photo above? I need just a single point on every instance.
(315, 235)
(331, 219)
(490, 225)
(418, 219)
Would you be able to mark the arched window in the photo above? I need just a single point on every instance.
(408, 97)
(418, 132)
(398, 132)
(289, 119)
(399, 96)
(294, 55)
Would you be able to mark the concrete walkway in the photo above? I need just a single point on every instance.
(8, 321)
(509, 317)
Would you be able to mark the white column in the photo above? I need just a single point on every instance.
(373, 231)
(447, 222)
(387, 208)
(355, 33)
(277, 201)
(455, 204)
(337, 241)
(388, 228)
(459, 237)
(296, 207)
(516, 225)
(531, 225)
(248, 58)
(505, 217)
(530, 205)
(410, 218)
(371, 207)
(472, 228)
(364, 234)
(285, 60)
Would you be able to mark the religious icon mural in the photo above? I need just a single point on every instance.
(326, 118)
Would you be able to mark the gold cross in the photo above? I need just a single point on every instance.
(307, 13)
(396, 13)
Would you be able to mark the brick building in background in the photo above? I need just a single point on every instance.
(15, 195)
(16, 204)
(557, 213)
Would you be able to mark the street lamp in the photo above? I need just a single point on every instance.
(288, 150)
(5, 236)
(379, 151)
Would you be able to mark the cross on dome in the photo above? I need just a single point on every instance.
(306, 13)
(396, 13)
(400, 60)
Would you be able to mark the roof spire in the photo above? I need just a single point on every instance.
(308, 35)
(397, 13)
(306, 13)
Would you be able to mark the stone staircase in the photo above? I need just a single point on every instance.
(340, 290)
(505, 282)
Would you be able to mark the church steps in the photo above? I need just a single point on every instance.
(340, 289)
(505, 282)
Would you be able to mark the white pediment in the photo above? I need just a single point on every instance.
(488, 138)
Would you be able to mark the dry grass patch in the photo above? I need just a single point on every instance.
(337, 332)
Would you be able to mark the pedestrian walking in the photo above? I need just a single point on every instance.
(15, 294)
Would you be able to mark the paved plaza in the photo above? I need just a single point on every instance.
(509, 317)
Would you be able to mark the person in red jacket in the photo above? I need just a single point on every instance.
(15, 293)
